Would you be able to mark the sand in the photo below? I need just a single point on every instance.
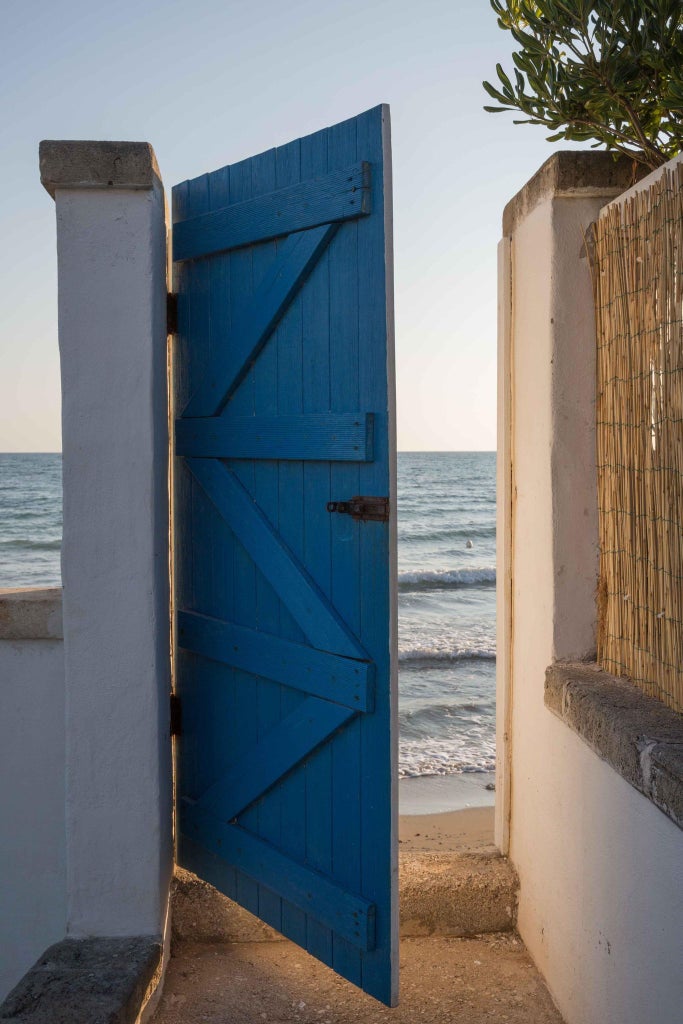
(470, 829)
(446, 813)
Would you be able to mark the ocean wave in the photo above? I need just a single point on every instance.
(471, 713)
(407, 535)
(439, 657)
(446, 579)
(26, 544)
(440, 757)
(429, 766)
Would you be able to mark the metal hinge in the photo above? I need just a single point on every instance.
(171, 313)
(363, 508)
(176, 715)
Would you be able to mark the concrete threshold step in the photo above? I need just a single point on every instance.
(443, 981)
(450, 894)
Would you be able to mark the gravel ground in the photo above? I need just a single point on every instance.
(469, 981)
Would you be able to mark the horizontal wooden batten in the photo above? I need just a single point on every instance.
(276, 754)
(349, 916)
(344, 681)
(338, 196)
(340, 437)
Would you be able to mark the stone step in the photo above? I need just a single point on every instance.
(454, 894)
(84, 981)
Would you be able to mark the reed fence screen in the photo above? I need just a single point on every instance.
(638, 284)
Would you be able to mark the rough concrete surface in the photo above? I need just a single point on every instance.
(572, 172)
(439, 894)
(637, 735)
(31, 613)
(469, 981)
(86, 981)
(93, 164)
(456, 893)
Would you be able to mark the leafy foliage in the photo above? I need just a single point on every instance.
(605, 70)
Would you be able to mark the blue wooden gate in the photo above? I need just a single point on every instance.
(285, 607)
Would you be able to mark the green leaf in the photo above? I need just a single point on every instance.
(608, 72)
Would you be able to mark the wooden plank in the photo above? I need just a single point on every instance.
(347, 790)
(306, 204)
(203, 516)
(292, 530)
(285, 573)
(277, 752)
(315, 322)
(268, 693)
(243, 284)
(347, 914)
(340, 680)
(251, 328)
(379, 822)
(325, 436)
(221, 729)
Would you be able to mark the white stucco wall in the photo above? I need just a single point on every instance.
(32, 846)
(600, 867)
(111, 247)
(86, 793)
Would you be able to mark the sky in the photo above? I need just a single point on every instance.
(209, 83)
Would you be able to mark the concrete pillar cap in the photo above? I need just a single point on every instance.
(92, 164)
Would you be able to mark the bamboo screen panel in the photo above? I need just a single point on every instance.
(638, 283)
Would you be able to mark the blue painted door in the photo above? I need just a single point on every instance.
(285, 610)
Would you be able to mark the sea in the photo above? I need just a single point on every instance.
(446, 593)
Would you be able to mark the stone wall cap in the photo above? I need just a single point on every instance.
(31, 613)
(572, 173)
(637, 735)
(93, 164)
(84, 981)
(645, 183)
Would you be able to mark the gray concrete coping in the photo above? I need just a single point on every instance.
(572, 173)
(637, 735)
(92, 164)
(30, 613)
(87, 981)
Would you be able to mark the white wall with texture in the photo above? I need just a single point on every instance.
(32, 840)
(600, 867)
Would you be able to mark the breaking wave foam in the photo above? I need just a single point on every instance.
(446, 579)
(438, 657)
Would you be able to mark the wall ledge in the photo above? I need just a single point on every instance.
(86, 980)
(93, 164)
(568, 173)
(31, 613)
(639, 737)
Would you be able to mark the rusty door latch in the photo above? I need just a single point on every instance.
(363, 508)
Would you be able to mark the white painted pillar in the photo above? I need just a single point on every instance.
(547, 560)
(111, 251)
(598, 864)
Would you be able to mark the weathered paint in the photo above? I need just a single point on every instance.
(284, 383)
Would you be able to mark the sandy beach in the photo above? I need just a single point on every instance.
(446, 812)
